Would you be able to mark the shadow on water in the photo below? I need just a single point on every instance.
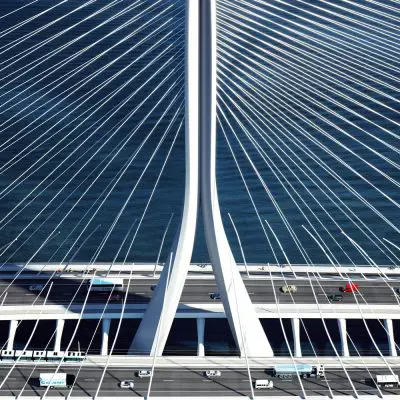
(273, 330)
(219, 339)
(314, 338)
(361, 342)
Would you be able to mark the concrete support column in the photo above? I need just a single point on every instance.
(201, 119)
(201, 322)
(59, 332)
(245, 325)
(343, 337)
(162, 308)
(390, 335)
(104, 340)
(296, 336)
(11, 334)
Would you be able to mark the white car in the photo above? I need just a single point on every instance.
(144, 373)
(289, 289)
(212, 373)
(127, 384)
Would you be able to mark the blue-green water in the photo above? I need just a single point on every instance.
(90, 136)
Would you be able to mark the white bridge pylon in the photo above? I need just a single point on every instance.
(200, 90)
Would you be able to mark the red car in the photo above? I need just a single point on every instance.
(350, 288)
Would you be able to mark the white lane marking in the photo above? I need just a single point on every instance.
(168, 380)
(140, 293)
(89, 379)
(200, 284)
(344, 296)
(29, 294)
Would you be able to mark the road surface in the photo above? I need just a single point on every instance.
(187, 382)
(199, 291)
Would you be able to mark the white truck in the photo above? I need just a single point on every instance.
(287, 371)
(391, 381)
(263, 384)
(53, 380)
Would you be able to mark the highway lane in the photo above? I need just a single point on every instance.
(189, 382)
(199, 291)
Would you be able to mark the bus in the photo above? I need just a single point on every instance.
(42, 355)
(106, 285)
(21, 355)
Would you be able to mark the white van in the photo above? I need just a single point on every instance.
(144, 373)
(264, 384)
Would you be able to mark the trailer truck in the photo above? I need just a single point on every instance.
(285, 371)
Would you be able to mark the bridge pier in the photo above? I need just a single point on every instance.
(390, 336)
(11, 334)
(201, 322)
(296, 336)
(59, 331)
(343, 337)
(105, 330)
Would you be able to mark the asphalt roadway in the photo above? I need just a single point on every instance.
(199, 291)
(187, 382)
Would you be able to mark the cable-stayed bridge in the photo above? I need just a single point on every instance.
(122, 121)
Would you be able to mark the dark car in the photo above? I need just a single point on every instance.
(36, 288)
(335, 297)
(112, 297)
(215, 296)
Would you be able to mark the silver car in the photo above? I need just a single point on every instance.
(289, 289)
(127, 384)
(213, 373)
